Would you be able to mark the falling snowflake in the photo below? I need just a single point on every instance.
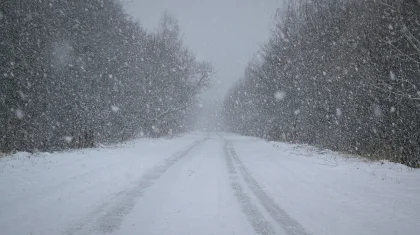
(68, 139)
(22, 95)
(115, 109)
(280, 95)
(392, 76)
(155, 129)
(324, 73)
(282, 35)
(297, 112)
(377, 111)
(110, 76)
(393, 109)
(338, 112)
(19, 113)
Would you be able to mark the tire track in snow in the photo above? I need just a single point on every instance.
(290, 225)
(255, 217)
(108, 217)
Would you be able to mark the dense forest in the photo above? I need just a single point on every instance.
(76, 73)
(343, 75)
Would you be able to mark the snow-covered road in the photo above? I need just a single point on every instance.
(205, 183)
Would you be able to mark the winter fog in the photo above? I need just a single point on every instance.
(224, 32)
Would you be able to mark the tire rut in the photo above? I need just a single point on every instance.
(108, 217)
(253, 214)
(290, 225)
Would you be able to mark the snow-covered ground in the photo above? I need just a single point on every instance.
(206, 183)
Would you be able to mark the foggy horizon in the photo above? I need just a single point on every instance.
(226, 33)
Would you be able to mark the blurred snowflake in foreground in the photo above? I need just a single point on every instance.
(19, 113)
(339, 112)
(68, 139)
(115, 109)
(280, 95)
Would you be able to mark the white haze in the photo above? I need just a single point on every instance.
(227, 33)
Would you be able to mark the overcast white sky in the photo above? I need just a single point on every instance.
(226, 33)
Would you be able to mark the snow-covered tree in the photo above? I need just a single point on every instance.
(338, 74)
(78, 72)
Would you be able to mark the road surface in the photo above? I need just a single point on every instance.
(205, 183)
